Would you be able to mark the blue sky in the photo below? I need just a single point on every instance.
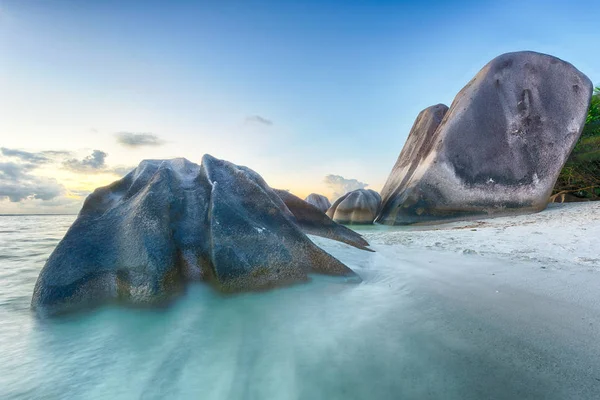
(294, 91)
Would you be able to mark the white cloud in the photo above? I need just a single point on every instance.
(23, 191)
(17, 183)
(340, 185)
(94, 163)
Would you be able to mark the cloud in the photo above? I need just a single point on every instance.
(14, 171)
(35, 188)
(341, 185)
(57, 205)
(21, 191)
(121, 170)
(16, 183)
(41, 157)
(258, 120)
(131, 139)
(56, 153)
(94, 163)
(24, 155)
(79, 193)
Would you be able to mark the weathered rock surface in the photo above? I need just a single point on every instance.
(167, 222)
(315, 222)
(356, 207)
(418, 145)
(498, 149)
(319, 201)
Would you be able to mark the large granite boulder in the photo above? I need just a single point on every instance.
(319, 201)
(498, 149)
(416, 148)
(315, 222)
(356, 207)
(167, 222)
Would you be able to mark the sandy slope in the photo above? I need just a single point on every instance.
(564, 236)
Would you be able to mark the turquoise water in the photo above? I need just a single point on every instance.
(433, 325)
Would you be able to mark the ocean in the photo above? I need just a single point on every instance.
(421, 325)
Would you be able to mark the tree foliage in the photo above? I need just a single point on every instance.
(581, 173)
(594, 111)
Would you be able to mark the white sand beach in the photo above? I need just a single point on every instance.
(564, 236)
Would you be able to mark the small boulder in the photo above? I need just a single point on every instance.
(319, 201)
(356, 207)
(140, 239)
(315, 222)
(498, 149)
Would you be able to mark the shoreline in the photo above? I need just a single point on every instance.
(563, 236)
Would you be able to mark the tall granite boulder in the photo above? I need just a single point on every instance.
(168, 222)
(417, 146)
(498, 149)
(319, 201)
(315, 222)
(356, 207)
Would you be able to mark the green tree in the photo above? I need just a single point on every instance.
(594, 111)
(581, 173)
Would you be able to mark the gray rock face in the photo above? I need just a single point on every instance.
(167, 222)
(319, 201)
(315, 222)
(418, 145)
(357, 207)
(498, 149)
